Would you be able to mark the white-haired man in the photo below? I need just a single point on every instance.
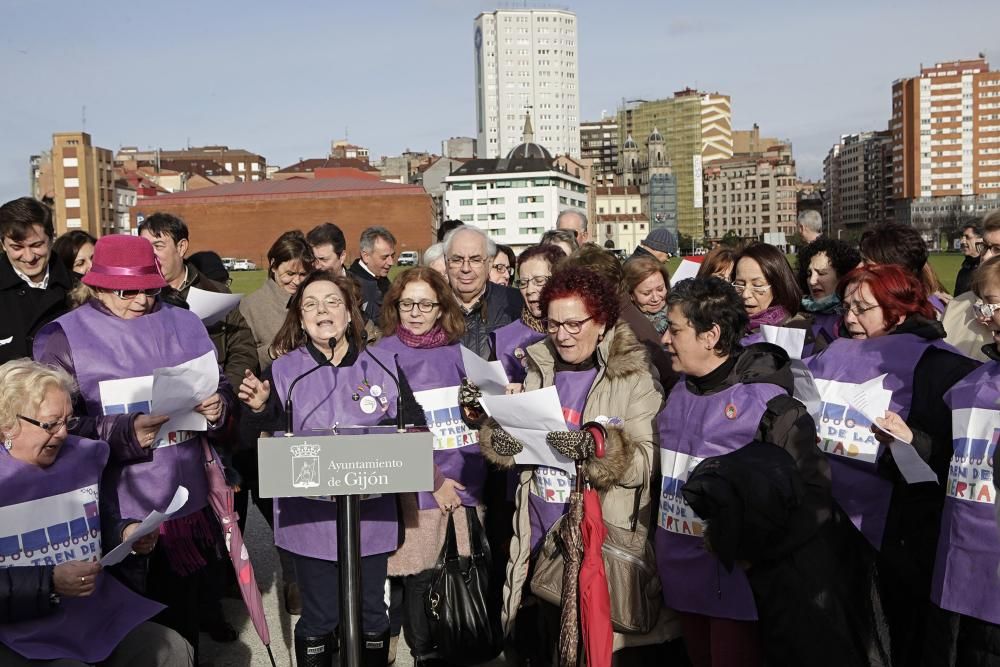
(574, 221)
(810, 225)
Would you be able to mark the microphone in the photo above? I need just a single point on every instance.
(400, 426)
(288, 397)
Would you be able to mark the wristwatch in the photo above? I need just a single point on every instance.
(54, 598)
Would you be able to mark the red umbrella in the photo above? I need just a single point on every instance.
(595, 599)
(221, 499)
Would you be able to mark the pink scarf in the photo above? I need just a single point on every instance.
(775, 316)
(436, 337)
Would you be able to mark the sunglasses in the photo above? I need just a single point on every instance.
(130, 294)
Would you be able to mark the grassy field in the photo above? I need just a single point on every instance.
(945, 265)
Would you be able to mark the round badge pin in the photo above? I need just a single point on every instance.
(730, 411)
(519, 353)
(355, 397)
(368, 405)
(375, 391)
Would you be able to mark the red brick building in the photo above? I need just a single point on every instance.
(244, 219)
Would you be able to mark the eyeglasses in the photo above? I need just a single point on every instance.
(572, 327)
(407, 305)
(985, 310)
(980, 247)
(53, 427)
(457, 262)
(857, 309)
(759, 290)
(329, 303)
(502, 268)
(537, 281)
(131, 294)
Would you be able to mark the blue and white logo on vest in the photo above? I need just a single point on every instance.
(675, 514)
(552, 484)
(970, 475)
(841, 427)
(444, 418)
(52, 530)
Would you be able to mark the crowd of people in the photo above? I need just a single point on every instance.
(793, 460)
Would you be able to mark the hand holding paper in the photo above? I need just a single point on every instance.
(530, 417)
(913, 468)
(177, 391)
(147, 526)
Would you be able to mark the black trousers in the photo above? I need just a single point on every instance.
(320, 591)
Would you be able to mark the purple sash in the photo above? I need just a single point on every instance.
(968, 551)
(845, 434)
(693, 428)
(826, 326)
(434, 375)
(107, 348)
(510, 342)
(549, 489)
(308, 526)
(50, 516)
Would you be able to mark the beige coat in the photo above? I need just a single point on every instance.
(962, 328)
(627, 388)
(424, 536)
(264, 310)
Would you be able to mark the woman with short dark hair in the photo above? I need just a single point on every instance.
(783, 601)
(822, 264)
(895, 355)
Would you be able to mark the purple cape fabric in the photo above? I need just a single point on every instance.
(434, 375)
(510, 342)
(59, 524)
(307, 526)
(693, 428)
(826, 326)
(105, 347)
(845, 434)
(550, 488)
(968, 550)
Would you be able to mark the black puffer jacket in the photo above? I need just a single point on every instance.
(497, 307)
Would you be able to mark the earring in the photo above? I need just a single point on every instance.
(8, 443)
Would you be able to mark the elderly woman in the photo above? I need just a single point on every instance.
(894, 355)
(75, 249)
(324, 326)
(112, 345)
(647, 283)
(729, 396)
(534, 268)
(433, 258)
(422, 324)
(822, 264)
(55, 601)
(770, 293)
(603, 379)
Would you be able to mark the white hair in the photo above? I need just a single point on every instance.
(432, 254)
(811, 220)
(491, 246)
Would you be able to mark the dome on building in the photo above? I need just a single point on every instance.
(529, 150)
(630, 144)
(655, 136)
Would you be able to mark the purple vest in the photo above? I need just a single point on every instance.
(106, 349)
(693, 428)
(548, 497)
(434, 375)
(845, 434)
(510, 342)
(826, 326)
(50, 516)
(308, 526)
(968, 550)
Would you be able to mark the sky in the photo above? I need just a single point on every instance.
(284, 79)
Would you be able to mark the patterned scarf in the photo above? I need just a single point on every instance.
(774, 316)
(828, 304)
(532, 322)
(658, 320)
(436, 337)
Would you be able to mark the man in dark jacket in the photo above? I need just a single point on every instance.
(32, 289)
(468, 253)
(371, 270)
(971, 246)
(659, 244)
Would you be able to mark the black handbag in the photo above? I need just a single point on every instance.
(457, 613)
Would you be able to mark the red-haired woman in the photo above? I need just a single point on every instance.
(608, 394)
(896, 362)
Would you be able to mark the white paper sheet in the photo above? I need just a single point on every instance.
(788, 339)
(686, 269)
(147, 526)
(913, 468)
(489, 376)
(805, 389)
(529, 417)
(178, 390)
(211, 307)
